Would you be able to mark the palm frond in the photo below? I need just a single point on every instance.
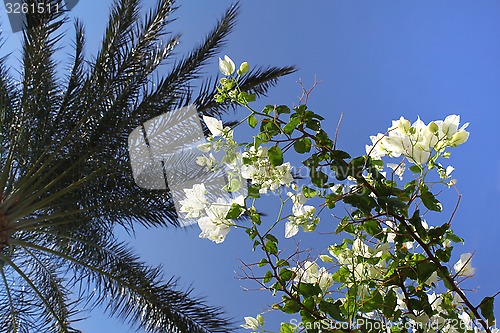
(66, 177)
(257, 81)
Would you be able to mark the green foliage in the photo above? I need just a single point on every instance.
(391, 262)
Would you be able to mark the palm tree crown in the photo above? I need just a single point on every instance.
(65, 175)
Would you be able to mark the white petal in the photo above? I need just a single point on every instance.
(291, 229)
(214, 125)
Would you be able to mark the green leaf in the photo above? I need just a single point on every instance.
(454, 238)
(308, 192)
(340, 154)
(252, 121)
(447, 284)
(390, 302)
(292, 124)
(244, 97)
(234, 212)
(268, 277)
(262, 263)
(271, 247)
(251, 232)
(428, 199)
(373, 228)
(425, 270)
(332, 309)
(257, 141)
(363, 202)
(286, 274)
(290, 307)
(268, 127)
(345, 225)
(255, 217)
(416, 169)
(282, 109)
(444, 255)
(282, 263)
(308, 289)
(373, 302)
(272, 238)
(417, 223)
(268, 109)
(487, 307)
(302, 145)
(253, 191)
(313, 124)
(318, 177)
(275, 156)
(286, 328)
(301, 109)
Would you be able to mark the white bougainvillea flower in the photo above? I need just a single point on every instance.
(214, 125)
(466, 319)
(250, 323)
(450, 125)
(283, 174)
(291, 229)
(205, 147)
(402, 125)
(361, 249)
(195, 201)
(260, 171)
(310, 272)
(418, 141)
(303, 215)
(399, 169)
(376, 150)
(463, 267)
(209, 162)
(226, 66)
(419, 155)
(435, 300)
(214, 232)
(214, 225)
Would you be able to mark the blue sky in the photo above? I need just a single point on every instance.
(376, 60)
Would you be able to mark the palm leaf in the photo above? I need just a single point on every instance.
(66, 178)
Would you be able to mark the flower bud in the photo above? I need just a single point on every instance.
(226, 66)
(244, 68)
(325, 258)
(433, 127)
(459, 138)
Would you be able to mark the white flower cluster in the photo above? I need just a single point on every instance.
(220, 140)
(211, 216)
(303, 215)
(227, 67)
(439, 321)
(252, 323)
(354, 259)
(418, 141)
(260, 171)
(310, 272)
(463, 267)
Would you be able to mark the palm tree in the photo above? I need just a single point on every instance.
(65, 173)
